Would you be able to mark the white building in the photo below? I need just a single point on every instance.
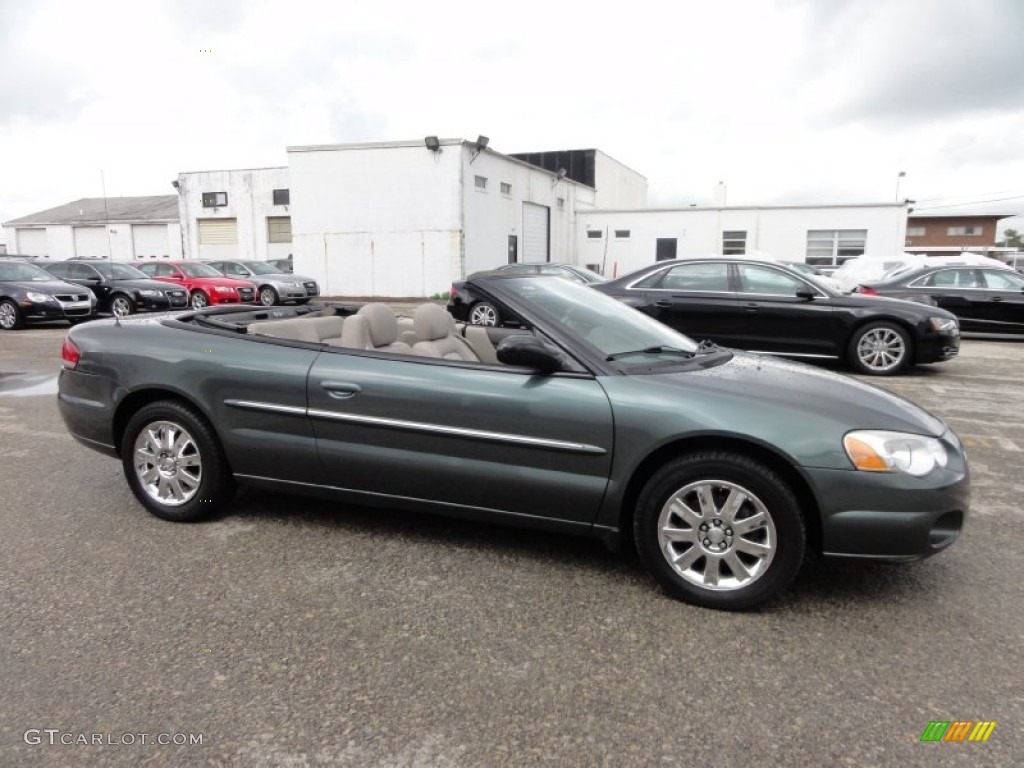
(620, 241)
(121, 228)
(239, 214)
(408, 218)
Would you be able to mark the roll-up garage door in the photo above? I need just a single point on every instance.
(91, 242)
(31, 242)
(150, 240)
(535, 232)
(218, 231)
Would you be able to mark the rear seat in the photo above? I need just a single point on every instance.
(319, 330)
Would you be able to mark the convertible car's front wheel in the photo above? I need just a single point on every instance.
(719, 530)
(174, 464)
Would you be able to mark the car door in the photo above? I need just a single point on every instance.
(83, 274)
(695, 298)
(776, 319)
(955, 289)
(502, 441)
(1000, 302)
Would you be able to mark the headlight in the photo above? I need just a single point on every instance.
(223, 289)
(941, 324)
(878, 451)
(37, 297)
(147, 292)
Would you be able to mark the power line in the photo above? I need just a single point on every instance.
(969, 202)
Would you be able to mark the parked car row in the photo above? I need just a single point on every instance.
(77, 289)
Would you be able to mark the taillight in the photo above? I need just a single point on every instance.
(453, 292)
(70, 354)
(866, 291)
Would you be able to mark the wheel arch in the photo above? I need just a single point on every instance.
(139, 399)
(727, 443)
(902, 322)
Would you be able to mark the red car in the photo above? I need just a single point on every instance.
(205, 285)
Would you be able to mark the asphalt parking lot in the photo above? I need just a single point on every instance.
(293, 633)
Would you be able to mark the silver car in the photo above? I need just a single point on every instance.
(274, 286)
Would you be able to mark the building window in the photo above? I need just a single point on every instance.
(622, 234)
(481, 183)
(279, 229)
(831, 247)
(974, 231)
(282, 196)
(594, 234)
(506, 189)
(734, 243)
(915, 231)
(215, 199)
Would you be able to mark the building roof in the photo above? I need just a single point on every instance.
(99, 210)
(926, 214)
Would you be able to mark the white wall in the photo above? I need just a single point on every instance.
(250, 201)
(617, 186)
(378, 219)
(117, 243)
(781, 231)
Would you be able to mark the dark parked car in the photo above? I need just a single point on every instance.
(589, 417)
(769, 307)
(205, 285)
(272, 285)
(120, 288)
(986, 299)
(466, 306)
(29, 294)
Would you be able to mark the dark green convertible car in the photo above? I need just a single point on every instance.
(723, 469)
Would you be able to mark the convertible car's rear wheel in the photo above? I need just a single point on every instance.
(719, 530)
(174, 464)
(881, 349)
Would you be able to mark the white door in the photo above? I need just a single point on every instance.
(150, 241)
(91, 242)
(535, 232)
(31, 242)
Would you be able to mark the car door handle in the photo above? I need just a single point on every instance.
(341, 390)
(997, 298)
(663, 303)
(753, 307)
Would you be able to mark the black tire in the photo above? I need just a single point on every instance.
(724, 558)
(198, 300)
(484, 313)
(10, 316)
(121, 305)
(267, 296)
(192, 461)
(882, 348)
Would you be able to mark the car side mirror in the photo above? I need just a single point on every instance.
(529, 352)
(806, 295)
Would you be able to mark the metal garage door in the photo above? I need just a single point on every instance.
(31, 242)
(218, 231)
(91, 241)
(150, 240)
(535, 232)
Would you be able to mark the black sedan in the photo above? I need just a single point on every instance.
(722, 468)
(120, 288)
(986, 299)
(768, 307)
(468, 307)
(29, 294)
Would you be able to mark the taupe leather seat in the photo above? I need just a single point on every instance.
(319, 330)
(436, 336)
(374, 326)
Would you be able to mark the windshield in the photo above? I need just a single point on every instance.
(199, 270)
(115, 271)
(10, 271)
(261, 268)
(613, 329)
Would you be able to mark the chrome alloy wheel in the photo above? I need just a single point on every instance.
(483, 314)
(268, 296)
(168, 463)
(121, 306)
(8, 316)
(717, 535)
(199, 300)
(881, 349)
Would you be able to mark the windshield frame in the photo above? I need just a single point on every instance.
(642, 330)
(195, 269)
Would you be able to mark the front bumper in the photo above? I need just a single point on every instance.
(69, 308)
(874, 516)
(938, 347)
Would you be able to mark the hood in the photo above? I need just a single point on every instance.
(48, 286)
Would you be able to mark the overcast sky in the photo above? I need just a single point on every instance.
(786, 101)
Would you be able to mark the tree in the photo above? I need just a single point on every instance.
(1012, 239)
